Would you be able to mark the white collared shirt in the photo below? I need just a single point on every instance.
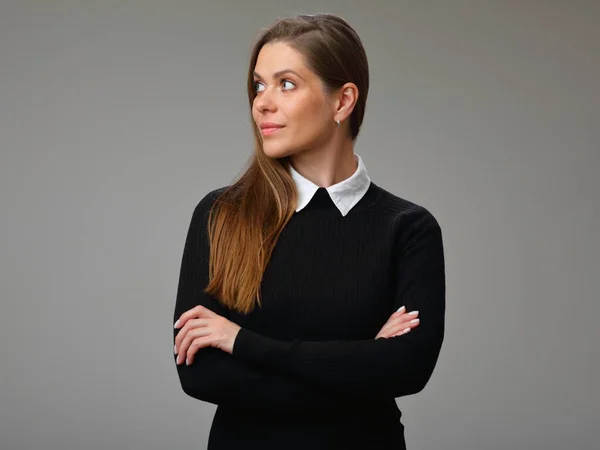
(344, 194)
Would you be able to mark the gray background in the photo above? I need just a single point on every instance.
(116, 117)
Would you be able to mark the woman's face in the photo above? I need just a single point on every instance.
(291, 97)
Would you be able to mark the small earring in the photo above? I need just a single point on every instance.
(338, 122)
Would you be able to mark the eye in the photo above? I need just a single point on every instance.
(257, 86)
(289, 83)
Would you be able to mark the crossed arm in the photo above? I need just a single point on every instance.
(263, 372)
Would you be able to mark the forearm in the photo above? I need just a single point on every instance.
(218, 378)
(377, 368)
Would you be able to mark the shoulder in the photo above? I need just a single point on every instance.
(403, 212)
(204, 205)
(415, 230)
(209, 199)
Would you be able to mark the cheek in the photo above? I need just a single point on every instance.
(309, 116)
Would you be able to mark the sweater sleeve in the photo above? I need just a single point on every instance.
(215, 376)
(393, 367)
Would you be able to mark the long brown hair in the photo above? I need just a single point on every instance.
(248, 217)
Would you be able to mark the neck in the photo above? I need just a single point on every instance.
(326, 166)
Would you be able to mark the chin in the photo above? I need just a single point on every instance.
(278, 151)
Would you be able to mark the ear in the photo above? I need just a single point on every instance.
(345, 100)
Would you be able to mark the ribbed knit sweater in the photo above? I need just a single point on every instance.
(306, 371)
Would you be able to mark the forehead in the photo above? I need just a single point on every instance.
(277, 56)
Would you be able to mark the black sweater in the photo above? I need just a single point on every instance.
(306, 370)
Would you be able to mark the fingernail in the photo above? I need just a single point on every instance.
(175, 348)
(401, 309)
(414, 321)
(413, 313)
(176, 323)
(187, 362)
(406, 330)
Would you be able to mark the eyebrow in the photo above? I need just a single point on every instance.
(280, 73)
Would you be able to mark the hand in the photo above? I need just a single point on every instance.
(399, 323)
(201, 327)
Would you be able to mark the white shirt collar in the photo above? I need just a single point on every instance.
(344, 194)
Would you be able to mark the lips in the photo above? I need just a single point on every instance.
(267, 128)
(270, 125)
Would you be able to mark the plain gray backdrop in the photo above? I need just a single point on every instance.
(117, 117)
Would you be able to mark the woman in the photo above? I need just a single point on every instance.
(301, 283)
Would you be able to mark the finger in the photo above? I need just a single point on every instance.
(193, 329)
(196, 311)
(197, 344)
(189, 325)
(390, 327)
(399, 322)
(204, 311)
(399, 326)
(387, 328)
(397, 318)
(204, 339)
(406, 330)
(187, 342)
(404, 325)
(402, 313)
(397, 314)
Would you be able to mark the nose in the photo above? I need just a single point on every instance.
(264, 101)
